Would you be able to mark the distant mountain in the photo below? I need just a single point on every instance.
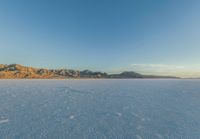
(126, 74)
(157, 76)
(16, 71)
(91, 74)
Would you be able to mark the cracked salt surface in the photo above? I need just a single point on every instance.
(71, 117)
(158, 136)
(138, 137)
(4, 121)
(139, 127)
(110, 109)
(119, 114)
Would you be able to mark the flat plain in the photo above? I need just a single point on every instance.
(100, 109)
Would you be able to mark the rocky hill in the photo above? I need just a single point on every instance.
(16, 71)
(19, 71)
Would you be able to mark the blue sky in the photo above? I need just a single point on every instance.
(107, 35)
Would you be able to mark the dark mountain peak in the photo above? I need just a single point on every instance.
(130, 74)
(126, 74)
(86, 71)
(91, 74)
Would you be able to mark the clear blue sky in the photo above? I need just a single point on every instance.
(104, 35)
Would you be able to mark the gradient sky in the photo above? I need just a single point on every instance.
(106, 35)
